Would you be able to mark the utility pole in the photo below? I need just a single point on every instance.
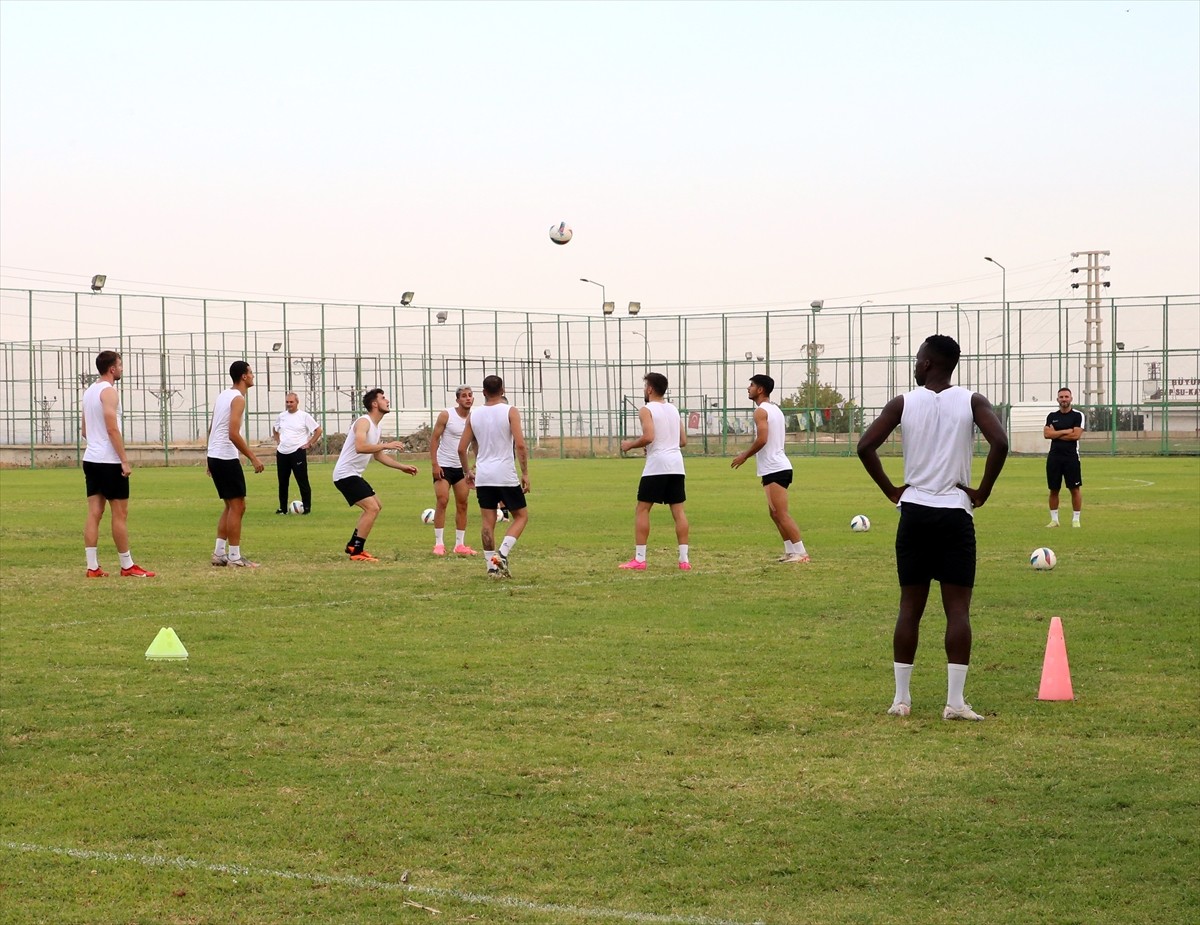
(1093, 367)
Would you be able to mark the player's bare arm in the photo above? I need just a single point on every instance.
(873, 438)
(435, 439)
(108, 401)
(993, 432)
(237, 410)
(647, 437)
(514, 424)
(760, 438)
(464, 447)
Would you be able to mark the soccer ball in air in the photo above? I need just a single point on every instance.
(1043, 559)
(560, 233)
(296, 507)
(427, 515)
(502, 515)
(860, 523)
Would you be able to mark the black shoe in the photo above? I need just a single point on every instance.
(307, 511)
(281, 511)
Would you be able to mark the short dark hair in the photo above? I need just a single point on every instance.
(237, 369)
(492, 386)
(657, 382)
(370, 396)
(766, 383)
(105, 360)
(1063, 388)
(945, 351)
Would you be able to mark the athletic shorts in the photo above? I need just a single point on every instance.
(935, 544)
(490, 496)
(662, 489)
(1060, 468)
(105, 479)
(228, 477)
(782, 477)
(451, 474)
(354, 488)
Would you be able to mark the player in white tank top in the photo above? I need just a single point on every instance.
(494, 429)
(225, 442)
(772, 464)
(664, 436)
(106, 468)
(935, 503)
(448, 474)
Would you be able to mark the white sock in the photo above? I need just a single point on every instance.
(460, 537)
(506, 545)
(903, 674)
(93, 556)
(1075, 516)
(438, 536)
(798, 547)
(219, 549)
(956, 680)
(683, 552)
(1054, 517)
(235, 552)
(639, 553)
(788, 547)
(487, 557)
(126, 559)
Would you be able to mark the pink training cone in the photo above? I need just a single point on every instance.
(1056, 673)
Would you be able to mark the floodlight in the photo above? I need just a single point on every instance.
(275, 346)
(546, 354)
(98, 282)
(441, 317)
(608, 307)
(817, 304)
(635, 307)
(406, 299)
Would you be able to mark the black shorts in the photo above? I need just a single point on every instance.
(1060, 468)
(228, 477)
(105, 479)
(354, 488)
(490, 496)
(935, 543)
(451, 474)
(782, 477)
(662, 489)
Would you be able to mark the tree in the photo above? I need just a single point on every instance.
(821, 407)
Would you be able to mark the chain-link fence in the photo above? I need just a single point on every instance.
(577, 379)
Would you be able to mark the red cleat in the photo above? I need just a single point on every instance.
(96, 573)
(136, 571)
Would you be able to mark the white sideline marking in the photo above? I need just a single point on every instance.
(1138, 483)
(370, 883)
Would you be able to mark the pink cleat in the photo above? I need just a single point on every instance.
(685, 566)
(634, 565)
(462, 550)
(439, 550)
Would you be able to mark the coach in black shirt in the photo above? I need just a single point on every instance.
(1063, 429)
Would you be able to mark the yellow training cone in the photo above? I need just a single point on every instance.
(166, 645)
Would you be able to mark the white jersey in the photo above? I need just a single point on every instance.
(350, 461)
(99, 446)
(294, 430)
(219, 444)
(938, 433)
(447, 452)
(771, 458)
(494, 465)
(663, 456)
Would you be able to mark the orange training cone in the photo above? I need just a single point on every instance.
(1056, 673)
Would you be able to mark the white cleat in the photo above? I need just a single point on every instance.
(964, 713)
(899, 709)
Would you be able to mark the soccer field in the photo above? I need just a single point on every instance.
(366, 742)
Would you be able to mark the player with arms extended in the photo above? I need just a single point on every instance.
(936, 536)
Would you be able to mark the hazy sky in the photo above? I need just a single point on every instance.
(706, 154)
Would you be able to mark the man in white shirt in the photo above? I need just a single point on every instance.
(106, 468)
(663, 476)
(448, 475)
(774, 468)
(495, 431)
(295, 434)
(936, 536)
(364, 443)
(225, 443)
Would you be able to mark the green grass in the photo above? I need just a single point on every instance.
(582, 745)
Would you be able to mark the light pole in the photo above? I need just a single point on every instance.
(604, 307)
(1005, 343)
(645, 346)
(861, 382)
